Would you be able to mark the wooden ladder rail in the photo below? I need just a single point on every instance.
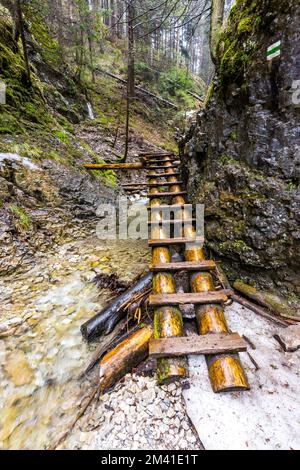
(168, 320)
(226, 372)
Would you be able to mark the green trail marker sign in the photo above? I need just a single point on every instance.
(274, 50)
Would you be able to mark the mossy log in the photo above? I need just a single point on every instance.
(272, 302)
(225, 370)
(124, 357)
(105, 321)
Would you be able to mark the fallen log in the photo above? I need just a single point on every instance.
(272, 302)
(124, 357)
(104, 346)
(142, 90)
(105, 321)
(114, 166)
(260, 311)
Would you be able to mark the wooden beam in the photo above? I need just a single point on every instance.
(194, 345)
(213, 297)
(171, 222)
(114, 166)
(167, 194)
(154, 154)
(134, 185)
(134, 188)
(188, 265)
(174, 241)
(166, 183)
(157, 167)
(160, 160)
(170, 207)
(163, 175)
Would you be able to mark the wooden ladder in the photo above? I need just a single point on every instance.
(215, 340)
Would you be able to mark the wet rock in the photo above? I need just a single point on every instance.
(18, 369)
(289, 338)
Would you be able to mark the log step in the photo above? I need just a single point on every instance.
(213, 297)
(160, 160)
(171, 207)
(166, 194)
(171, 222)
(145, 184)
(181, 265)
(157, 167)
(155, 154)
(175, 241)
(167, 183)
(194, 345)
(135, 188)
(134, 185)
(163, 175)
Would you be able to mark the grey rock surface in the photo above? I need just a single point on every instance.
(242, 158)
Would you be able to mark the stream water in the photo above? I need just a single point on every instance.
(41, 348)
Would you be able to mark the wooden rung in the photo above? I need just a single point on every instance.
(181, 265)
(163, 175)
(171, 222)
(166, 183)
(138, 188)
(156, 167)
(194, 345)
(160, 160)
(134, 185)
(171, 207)
(174, 241)
(213, 297)
(166, 194)
(155, 154)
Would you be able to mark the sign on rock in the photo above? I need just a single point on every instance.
(274, 50)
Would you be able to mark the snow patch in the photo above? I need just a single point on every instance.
(265, 417)
(14, 157)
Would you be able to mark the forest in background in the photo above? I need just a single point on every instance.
(161, 42)
(136, 62)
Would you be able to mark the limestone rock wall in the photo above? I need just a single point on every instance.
(242, 157)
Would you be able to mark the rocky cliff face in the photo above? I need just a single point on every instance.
(243, 154)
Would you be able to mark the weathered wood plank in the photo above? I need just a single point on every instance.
(134, 185)
(165, 183)
(171, 222)
(190, 298)
(155, 154)
(163, 175)
(195, 345)
(181, 265)
(157, 167)
(158, 161)
(171, 207)
(174, 241)
(167, 194)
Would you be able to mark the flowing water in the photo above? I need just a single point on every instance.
(90, 111)
(41, 348)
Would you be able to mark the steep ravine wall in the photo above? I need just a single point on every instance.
(242, 157)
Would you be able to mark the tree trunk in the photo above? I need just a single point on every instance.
(131, 73)
(124, 357)
(20, 30)
(216, 21)
(105, 321)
